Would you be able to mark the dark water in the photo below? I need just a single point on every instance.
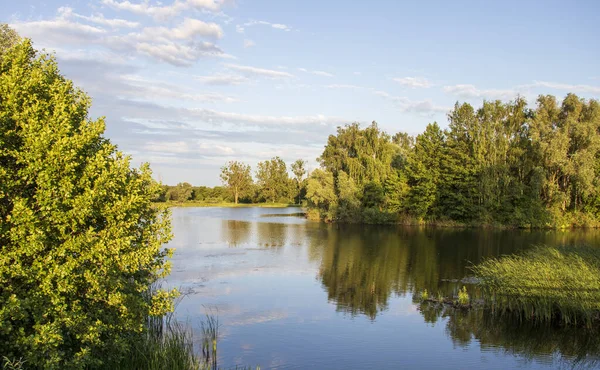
(297, 294)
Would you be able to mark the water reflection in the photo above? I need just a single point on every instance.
(271, 235)
(559, 346)
(362, 267)
(281, 290)
(236, 232)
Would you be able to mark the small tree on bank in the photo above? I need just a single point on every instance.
(236, 176)
(81, 242)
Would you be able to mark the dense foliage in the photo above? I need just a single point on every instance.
(503, 163)
(81, 242)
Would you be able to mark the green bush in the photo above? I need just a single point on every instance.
(80, 240)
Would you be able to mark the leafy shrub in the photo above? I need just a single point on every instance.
(80, 240)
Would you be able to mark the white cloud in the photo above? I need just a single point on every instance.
(66, 12)
(193, 147)
(317, 73)
(149, 89)
(222, 79)
(563, 86)
(254, 71)
(357, 73)
(241, 28)
(249, 43)
(187, 30)
(425, 107)
(414, 82)
(471, 92)
(343, 86)
(178, 54)
(229, 117)
(174, 46)
(57, 31)
(166, 11)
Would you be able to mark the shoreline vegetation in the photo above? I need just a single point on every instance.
(543, 286)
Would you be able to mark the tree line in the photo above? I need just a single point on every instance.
(273, 185)
(504, 163)
(501, 164)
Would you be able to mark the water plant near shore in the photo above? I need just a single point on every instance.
(544, 285)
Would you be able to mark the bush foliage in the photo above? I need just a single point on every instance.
(80, 240)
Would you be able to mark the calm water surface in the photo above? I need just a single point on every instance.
(297, 294)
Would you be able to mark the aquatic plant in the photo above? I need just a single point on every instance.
(463, 296)
(544, 285)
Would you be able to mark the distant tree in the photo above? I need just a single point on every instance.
(236, 177)
(273, 179)
(299, 170)
(8, 38)
(180, 193)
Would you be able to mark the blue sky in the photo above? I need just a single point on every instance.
(188, 85)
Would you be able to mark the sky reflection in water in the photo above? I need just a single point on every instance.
(298, 294)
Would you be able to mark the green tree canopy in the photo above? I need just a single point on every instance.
(81, 242)
(273, 179)
(236, 176)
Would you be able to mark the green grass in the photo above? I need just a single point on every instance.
(168, 345)
(227, 205)
(544, 285)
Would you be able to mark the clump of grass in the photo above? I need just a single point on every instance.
(463, 297)
(544, 285)
(210, 337)
(425, 295)
(166, 344)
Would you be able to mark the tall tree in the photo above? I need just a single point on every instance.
(236, 177)
(299, 170)
(423, 169)
(273, 179)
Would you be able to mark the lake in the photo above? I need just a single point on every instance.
(291, 293)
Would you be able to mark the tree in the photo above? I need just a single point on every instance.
(320, 194)
(364, 154)
(424, 170)
(272, 177)
(8, 38)
(299, 170)
(80, 240)
(180, 193)
(236, 176)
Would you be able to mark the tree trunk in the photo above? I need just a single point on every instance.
(236, 195)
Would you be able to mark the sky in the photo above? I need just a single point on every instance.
(188, 85)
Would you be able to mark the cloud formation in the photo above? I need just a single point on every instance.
(258, 72)
(241, 28)
(414, 82)
(162, 12)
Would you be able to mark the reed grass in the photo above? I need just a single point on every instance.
(544, 285)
